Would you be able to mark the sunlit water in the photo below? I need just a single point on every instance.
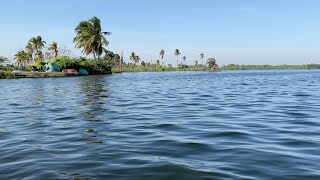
(175, 125)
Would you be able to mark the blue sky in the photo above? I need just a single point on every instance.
(232, 31)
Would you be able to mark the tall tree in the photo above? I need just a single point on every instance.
(196, 63)
(37, 43)
(90, 38)
(133, 58)
(177, 53)
(22, 57)
(211, 62)
(54, 48)
(40, 56)
(162, 52)
(184, 60)
(202, 57)
(137, 59)
(30, 49)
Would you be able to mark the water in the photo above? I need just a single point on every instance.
(175, 125)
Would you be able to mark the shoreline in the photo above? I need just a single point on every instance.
(35, 75)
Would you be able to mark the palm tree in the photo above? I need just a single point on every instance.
(202, 57)
(196, 63)
(30, 49)
(36, 43)
(40, 55)
(177, 53)
(133, 57)
(54, 48)
(90, 37)
(157, 64)
(162, 52)
(137, 59)
(117, 59)
(33, 44)
(184, 60)
(22, 57)
(40, 43)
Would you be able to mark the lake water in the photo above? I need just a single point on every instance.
(172, 125)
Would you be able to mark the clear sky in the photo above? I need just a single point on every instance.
(232, 31)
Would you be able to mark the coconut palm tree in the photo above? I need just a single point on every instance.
(22, 57)
(40, 43)
(30, 49)
(54, 48)
(37, 43)
(157, 64)
(184, 60)
(90, 38)
(177, 53)
(196, 63)
(40, 56)
(162, 52)
(133, 58)
(137, 59)
(202, 57)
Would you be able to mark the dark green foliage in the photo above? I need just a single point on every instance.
(92, 66)
(211, 62)
(11, 68)
(6, 75)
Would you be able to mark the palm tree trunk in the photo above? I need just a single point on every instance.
(177, 62)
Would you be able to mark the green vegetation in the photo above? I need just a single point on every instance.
(6, 75)
(93, 66)
(211, 62)
(257, 67)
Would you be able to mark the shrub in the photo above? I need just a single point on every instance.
(6, 75)
(38, 64)
(92, 66)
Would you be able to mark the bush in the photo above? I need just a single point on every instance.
(38, 64)
(92, 66)
(11, 68)
(6, 75)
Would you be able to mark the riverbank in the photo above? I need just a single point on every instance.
(271, 67)
(16, 75)
(125, 69)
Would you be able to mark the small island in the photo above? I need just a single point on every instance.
(38, 60)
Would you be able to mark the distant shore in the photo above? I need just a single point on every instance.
(12, 75)
(265, 67)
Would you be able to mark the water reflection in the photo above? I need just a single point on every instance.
(94, 91)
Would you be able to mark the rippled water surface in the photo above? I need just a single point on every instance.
(176, 125)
